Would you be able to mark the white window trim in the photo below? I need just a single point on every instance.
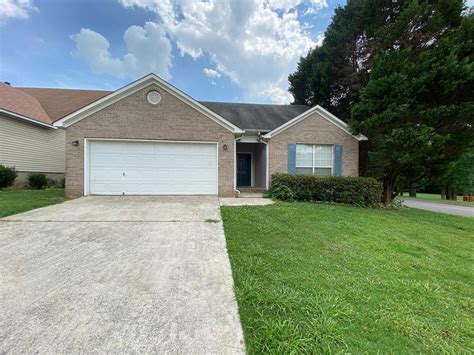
(314, 158)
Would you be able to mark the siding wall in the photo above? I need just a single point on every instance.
(31, 148)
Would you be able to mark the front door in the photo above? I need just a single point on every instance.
(244, 169)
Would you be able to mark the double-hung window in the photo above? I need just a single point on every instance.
(312, 159)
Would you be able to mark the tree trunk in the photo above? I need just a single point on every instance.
(387, 192)
(412, 191)
(449, 193)
(443, 193)
(388, 188)
(454, 195)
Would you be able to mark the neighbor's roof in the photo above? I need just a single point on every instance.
(256, 116)
(61, 102)
(18, 103)
(49, 105)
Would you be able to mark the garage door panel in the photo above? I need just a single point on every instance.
(123, 167)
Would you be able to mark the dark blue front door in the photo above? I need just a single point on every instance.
(244, 166)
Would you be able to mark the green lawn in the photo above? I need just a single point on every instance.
(315, 278)
(16, 201)
(437, 198)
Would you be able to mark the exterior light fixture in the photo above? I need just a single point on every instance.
(224, 147)
(75, 143)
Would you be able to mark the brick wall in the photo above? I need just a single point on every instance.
(314, 130)
(134, 118)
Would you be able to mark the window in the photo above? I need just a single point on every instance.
(314, 159)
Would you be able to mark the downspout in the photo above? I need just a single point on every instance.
(267, 158)
(235, 163)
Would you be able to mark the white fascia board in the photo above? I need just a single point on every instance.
(25, 118)
(323, 113)
(135, 87)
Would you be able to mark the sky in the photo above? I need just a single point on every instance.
(215, 50)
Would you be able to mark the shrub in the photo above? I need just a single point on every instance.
(281, 192)
(7, 176)
(357, 191)
(37, 181)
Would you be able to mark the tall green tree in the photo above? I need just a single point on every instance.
(333, 74)
(418, 108)
(457, 177)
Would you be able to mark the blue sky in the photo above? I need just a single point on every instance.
(217, 50)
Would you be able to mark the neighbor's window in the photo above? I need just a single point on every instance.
(314, 159)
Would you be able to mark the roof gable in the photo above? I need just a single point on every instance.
(323, 113)
(135, 87)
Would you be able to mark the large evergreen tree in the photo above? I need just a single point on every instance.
(418, 108)
(333, 74)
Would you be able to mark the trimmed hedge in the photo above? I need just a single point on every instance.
(357, 191)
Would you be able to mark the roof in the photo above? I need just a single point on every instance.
(44, 105)
(53, 104)
(61, 102)
(256, 116)
(18, 103)
(48, 106)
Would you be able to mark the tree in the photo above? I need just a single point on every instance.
(417, 108)
(334, 74)
(457, 177)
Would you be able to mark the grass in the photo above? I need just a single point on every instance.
(16, 201)
(437, 198)
(316, 278)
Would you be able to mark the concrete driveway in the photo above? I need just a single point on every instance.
(440, 207)
(118, 274)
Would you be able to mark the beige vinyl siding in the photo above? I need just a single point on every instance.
(31, 148)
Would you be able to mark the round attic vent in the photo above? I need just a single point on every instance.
(153, 97)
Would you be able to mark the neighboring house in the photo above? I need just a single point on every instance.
(150, 138)
(28, 140)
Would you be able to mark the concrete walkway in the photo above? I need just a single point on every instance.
(245, 201)
(119, 275)
(440, 207)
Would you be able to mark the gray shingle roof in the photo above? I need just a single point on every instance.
(255, 116)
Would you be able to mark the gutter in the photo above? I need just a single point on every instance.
(25, 118)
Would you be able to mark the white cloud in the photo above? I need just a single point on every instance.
(15, 9)
(211, 73)
(290, 4)
(256, 43)
(148, 50)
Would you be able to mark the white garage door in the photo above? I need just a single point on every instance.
(152, 168)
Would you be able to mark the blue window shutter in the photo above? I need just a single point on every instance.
(337, 160)
(292, 158)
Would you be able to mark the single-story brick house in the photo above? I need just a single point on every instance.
(150, 138)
